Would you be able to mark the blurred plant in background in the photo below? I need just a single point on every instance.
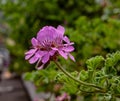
(94, 26)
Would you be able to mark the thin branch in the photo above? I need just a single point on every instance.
(79, 81)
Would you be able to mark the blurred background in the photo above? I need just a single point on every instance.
(93, 25)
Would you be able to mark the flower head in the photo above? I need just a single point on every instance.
(49, 43)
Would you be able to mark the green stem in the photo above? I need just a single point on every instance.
(117, 95)
(95, 91)
(79, 81)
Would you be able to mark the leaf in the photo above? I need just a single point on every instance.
(111, 63)
(95, 62)
(83, 75)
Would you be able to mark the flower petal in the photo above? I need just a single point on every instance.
(52, 52)
(41, 53)
(40, 67)
(31, 51)
(68, 49)
(66, 39)
(63, 54)
(39, 32)
(46, 34)
(28, 56)
(71, 57)
(54, 48)
(61, 29)
(45, 58)
(34, 42)
(33, 59)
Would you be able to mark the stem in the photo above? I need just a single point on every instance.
(79, 81)
(117, 95)
(95, 91)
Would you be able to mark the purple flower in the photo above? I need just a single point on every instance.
(49, 43)
(63, 97)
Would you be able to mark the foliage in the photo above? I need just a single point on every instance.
(97, 36)
(43, 79)
(102, 72)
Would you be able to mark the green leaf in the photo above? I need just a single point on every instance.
(95, 62)
(111, 63)
(83, 75)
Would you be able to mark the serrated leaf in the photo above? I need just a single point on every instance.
(95, 62)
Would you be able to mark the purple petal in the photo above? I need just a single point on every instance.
(64, 55)
(71, 57)
(68, 44)
(39, 32)
(40, 67)
(28, 56)
(52, 52)
(34, 42)
(68, 49)
(46, 34)
(55, 48)
(45, 58)
(44, 28)
(66, 39)
(41, 53)
(31, 51)
(33, 59)
(61, 29)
